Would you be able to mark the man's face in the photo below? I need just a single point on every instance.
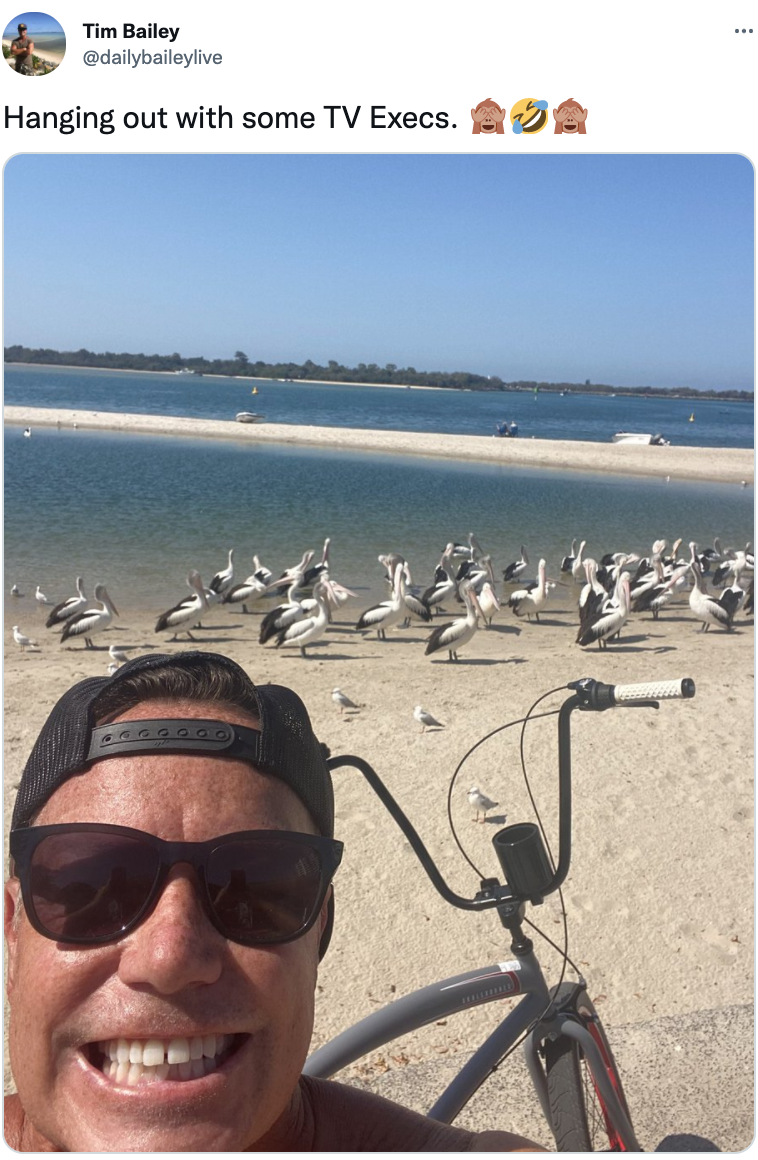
(174, 976)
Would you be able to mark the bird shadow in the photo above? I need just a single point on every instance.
(495, 820)
(471, 661)
(504, 629)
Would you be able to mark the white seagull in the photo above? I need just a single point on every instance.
(117, 654)
(186, 611)
(480, 802)
(16, 591)
(27, 432)
(343, 701)
(21, 640)
(40, 597)
(91, 620)
(425, 720)
(68, 608)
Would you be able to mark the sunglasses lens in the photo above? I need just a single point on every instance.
(264, 890)
(90, 886)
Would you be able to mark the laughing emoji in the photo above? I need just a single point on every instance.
(529, 116)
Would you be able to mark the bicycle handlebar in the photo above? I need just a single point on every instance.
(536, 881)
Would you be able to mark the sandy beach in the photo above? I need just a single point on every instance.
(49, 57)
(724, 465)
(659, 897)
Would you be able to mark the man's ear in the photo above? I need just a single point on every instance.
(12, 918)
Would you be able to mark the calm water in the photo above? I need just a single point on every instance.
(49, 41)
(138, 512)
(544, 416)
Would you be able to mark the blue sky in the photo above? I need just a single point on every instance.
(629, 270)
(36, 22)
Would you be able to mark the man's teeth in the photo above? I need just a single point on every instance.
(133, 1061)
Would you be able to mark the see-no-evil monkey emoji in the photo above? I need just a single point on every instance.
(488, 117)
(570, 117)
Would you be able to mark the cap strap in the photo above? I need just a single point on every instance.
(168, 735)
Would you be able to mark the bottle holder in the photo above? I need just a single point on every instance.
(523, 857)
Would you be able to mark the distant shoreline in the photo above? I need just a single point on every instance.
(551, 389)
(715, 464)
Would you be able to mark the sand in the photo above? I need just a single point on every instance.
(659, 896)
(724, 465)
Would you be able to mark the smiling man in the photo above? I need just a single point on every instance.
(171, 865)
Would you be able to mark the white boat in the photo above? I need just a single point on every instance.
(249, 417)
(640, 438)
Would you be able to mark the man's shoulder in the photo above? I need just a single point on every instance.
(346, 1118)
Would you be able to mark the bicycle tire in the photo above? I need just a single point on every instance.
(580, 1122)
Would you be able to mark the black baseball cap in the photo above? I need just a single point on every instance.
(22, 26)
(284, 746)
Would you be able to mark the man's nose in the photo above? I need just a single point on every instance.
(176, 946)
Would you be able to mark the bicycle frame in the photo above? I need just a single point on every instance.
(521, 975)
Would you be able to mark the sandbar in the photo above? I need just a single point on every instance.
(714, 464)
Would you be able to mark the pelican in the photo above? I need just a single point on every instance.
(68, 608)
(91, 620)
(389, 562)
(296, 573)
(312, 628)
(513, 571)
(383, 616)
(444, 586)
(707, 608)
(567, 563)
(282, 616)
(322, 568)
(531, 600)
(247, 592)
(21, 640)
(485, 592)
(40, 597)
(577, 567)
(610, 618)
(187, 610)
(480, 802)
(453, 636)
(592, 596)
(425, 720)
(223, 580)
(414, 603)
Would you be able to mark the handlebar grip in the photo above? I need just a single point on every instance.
(654, 691)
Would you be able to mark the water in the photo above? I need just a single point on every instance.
(544, 416)
(47, 42)
(138, 512)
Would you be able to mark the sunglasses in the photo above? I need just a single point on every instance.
(89, 884)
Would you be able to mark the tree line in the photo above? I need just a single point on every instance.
(309, 371)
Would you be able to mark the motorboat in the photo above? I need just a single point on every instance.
(249, 417)
(640, 438)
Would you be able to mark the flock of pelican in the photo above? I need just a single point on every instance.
(463, 587)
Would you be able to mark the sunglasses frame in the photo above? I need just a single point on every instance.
(25, 841)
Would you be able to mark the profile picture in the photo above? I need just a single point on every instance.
(34, 44)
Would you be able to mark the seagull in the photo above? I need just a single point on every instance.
(117, 654)
(27, 432)
(40, 597)
(425, 720)
(112, 668)
(68, 608)
(343, 701)
(16, 591)
(480, 802)
(21, 640)
(91, 620)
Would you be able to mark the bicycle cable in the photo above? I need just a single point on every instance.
(464, 759)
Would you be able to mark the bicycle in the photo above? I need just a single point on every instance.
(568, 1055)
